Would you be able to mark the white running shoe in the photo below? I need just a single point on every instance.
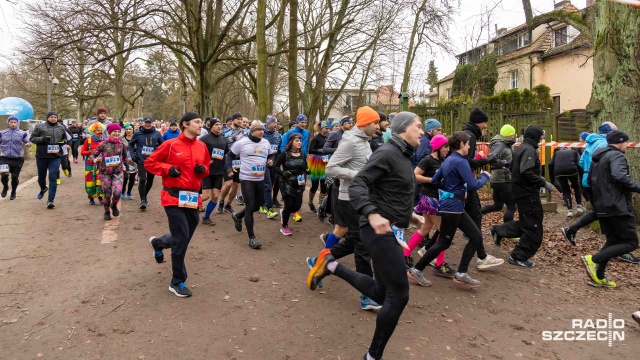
(488, 262)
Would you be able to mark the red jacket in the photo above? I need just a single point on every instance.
(184, 154)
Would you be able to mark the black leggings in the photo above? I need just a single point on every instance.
(128, 179)
(389, 288)
(316, 183)
(74, 149)
(566, 189)
(291, 205)
(448, 226)
(501, 193)
(253, 193)
(621, 239)
(146, 181)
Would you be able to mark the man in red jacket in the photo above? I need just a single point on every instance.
(181, 164)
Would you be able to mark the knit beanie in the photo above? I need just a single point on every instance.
(102, 110)
(533, 132)
(583, 135)
(300, 118)
(401, 121)
(271, 119)
(113, 126)
(438, 141)
(325, 124)
(171, 123)
(366, 115)
(507, 130)
(256, 125)
(335, 122)
(346, 119)
(188, 117)
(617, 137)
(477, 116)
(51, 113)
(431, 124)
(214, 121)
(383, 117)
(607, 127)
(236, 116)
(147, 119)
(12, 118)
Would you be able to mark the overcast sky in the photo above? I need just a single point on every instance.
(507, 14)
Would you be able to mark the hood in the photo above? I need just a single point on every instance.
(501, 139)
(593, 138)
(533, 132)
(600, 153)
(475, 130)
(175, 131)
(356, 132)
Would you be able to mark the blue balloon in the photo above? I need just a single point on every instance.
(18, 107)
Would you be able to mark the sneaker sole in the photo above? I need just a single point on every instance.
(322, 239)
(370, 308)
(566, 238)
(483, 267)
(176, 293)
(237, 224)
(320, 264)
(591, 283)
(455, 280)
(586, 267)
(413, 278)
(272, 216)
(282, 232)
(154, 251)
(627, 261)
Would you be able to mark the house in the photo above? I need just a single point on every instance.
(555, 55)
(383, 98)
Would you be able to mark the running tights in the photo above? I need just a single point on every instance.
(291, 205)
(253, 193)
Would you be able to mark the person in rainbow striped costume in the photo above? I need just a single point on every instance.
(317, 162)
(91, 176)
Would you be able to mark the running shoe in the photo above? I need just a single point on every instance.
(408, 261)
(285, 231)
(50, 205)
(276, 203)
(42, 192)
(569, 235)
(497, 239)
(312, 208)
(206, 221)
(221, 207)
(236, 222)
(13, 195)
(228, 209)
(107, 216)
(330, 221)
(569, 213)
(629, 258)
(271, 214)
(366, 303)
(524, 263)
(488, 262)
(417, 276)
(129, 196)
(443, 270)
(180, 290)
(422, 251)
(254, 243)
(157, 254)
(320, 270)
(322, 214)
(143, 204)
(100, 200)
(466, 280)
(75, 161)
(603, 283)
(240, 200)
(202, 209)
(92, 201)
(5, 190)
(57, 181)
(297, 217)
(636, 316)
(581, 209)
(311, 261)
(323, 238)
(263, 210)
(115, 211)
(66, 173)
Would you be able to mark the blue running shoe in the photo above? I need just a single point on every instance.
(42, 192)
(157, 254)
(367, 303)
(181, 290)
(311, 262)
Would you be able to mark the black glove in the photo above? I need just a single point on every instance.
(47, 138)
(492, 158)
(199, 169)
(286, 174)
(174, 172)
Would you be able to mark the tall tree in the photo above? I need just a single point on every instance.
(292, 59)
(528, 13)
(261, 76)
(432, 76)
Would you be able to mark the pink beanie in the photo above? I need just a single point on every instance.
(112, 127)
(438, 141)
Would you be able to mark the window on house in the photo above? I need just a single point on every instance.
(523, 40)
(448, 93)
(499, 51)
(463, 60)
(513, 79)
(560, 36)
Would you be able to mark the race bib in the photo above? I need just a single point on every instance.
(301, 180)
(75, 136)
(147, 150)
(53, 149)
(112, 160)
(274, 149)
(399, 234)
(4, 168)
(188, 199)
(217, 154)
(235, 164)
(325, 158)
(257, 170)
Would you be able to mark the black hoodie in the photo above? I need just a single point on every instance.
(474, 133)
(525, 167)
(611, 183)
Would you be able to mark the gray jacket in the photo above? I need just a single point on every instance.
(501, 147)
(352, 153)
(46, 134)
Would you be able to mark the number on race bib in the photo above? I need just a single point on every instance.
(53, 149)
(75, 136)
(399, 234)
(4, 168)
(147, 150)
(301, 180)
(112, 160)
(257, 170)
(217, 154)
(325, 159)
(188, 199)
(274, 149)
(235, 164)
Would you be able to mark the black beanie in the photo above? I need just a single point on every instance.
(188, 117)
(236, 116)
(214, 121)
(477, 116)
(533, 132)
(51, 113)
(617, 137)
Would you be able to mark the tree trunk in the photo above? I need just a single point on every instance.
(261, 73)
(408, 64)
(528, 13)
(292, 58)
(274, 71)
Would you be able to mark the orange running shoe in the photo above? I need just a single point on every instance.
(319, 270)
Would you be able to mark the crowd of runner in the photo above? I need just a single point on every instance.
(376, 175)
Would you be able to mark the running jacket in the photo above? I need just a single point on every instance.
(184, 154)
(317, 144)
(304, 135)
(612, 186)
(333, 139)
(501, 148)
(455, 177)
(352, 153)
(423, 150)
(11, 143)
(151, 138)
(46, 134)
(594, 142)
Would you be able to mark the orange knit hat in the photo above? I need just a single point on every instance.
(366, 115)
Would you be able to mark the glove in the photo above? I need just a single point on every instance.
(174, 172)
(548, 186)
(135, 158)
(47, 138)
(499, 164)
(199, 169)
(287, 174)
(492, 158)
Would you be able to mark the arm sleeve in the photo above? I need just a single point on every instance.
(285, 140)
(359, 188)
(132, 143)
(277, 166)
(437, 179)
(552, 163)
(155, 163)
(312, 147)
(470, 179)
(527, 173)
(36, 136)
(85, 149)
(97, 151)
(231, 155)
(335, 168)
(25, 139)
(620, 174)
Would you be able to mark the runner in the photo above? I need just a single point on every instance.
(92, 183)
(454, 178)
(48, 136)
(317, 164)
(271, 178)
(130, 167)
(612, 191)
(76, 136)
(230, 186)
(12, 140)
(291, 165)
(376, 139)
(217, 147)
(351, 156)
(102, 118)
(143, 143)
(65, 164)
(172, 132)
(563, 168)
(181, 162)
(381, 193)
(109, 156)
(255, 154)
(432, 127)
(301, 129)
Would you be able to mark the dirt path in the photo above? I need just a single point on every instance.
(68, 294)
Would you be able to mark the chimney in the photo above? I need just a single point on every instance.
(560, 4)
(501, 31)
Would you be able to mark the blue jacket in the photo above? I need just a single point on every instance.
(273, 137)
(455, 176)
(144, 138)
(422, 150)
(594, 142)
(12, 141)
(170, 134)
(305, 139)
